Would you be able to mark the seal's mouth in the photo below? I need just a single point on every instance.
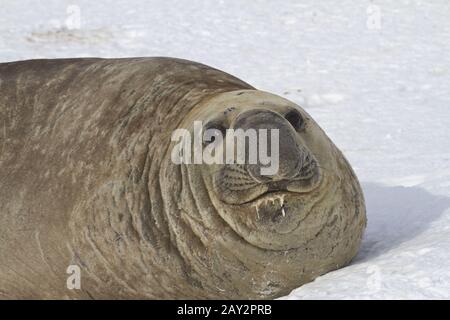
(235, 186)
(273, 194)
(274, 215)
(278, 206)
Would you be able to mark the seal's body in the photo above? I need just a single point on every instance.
(86, 180)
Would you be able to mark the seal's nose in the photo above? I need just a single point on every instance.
(288, 154)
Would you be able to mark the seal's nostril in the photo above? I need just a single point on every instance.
(295, 119)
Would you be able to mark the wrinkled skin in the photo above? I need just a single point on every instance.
(86, 179)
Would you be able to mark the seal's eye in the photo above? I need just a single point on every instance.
(295, 119)
(212, 132)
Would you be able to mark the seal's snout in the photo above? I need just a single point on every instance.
(292, 158)
(282, 163)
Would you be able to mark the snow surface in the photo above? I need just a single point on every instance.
(374, 74)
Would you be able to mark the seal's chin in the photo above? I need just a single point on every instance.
(268, 215)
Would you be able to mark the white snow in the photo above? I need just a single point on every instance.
(374, 74)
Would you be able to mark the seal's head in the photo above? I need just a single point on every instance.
(266, 208)
(293, 216)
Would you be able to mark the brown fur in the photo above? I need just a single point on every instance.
(86, 179)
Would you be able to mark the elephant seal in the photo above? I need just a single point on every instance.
(87, 184)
